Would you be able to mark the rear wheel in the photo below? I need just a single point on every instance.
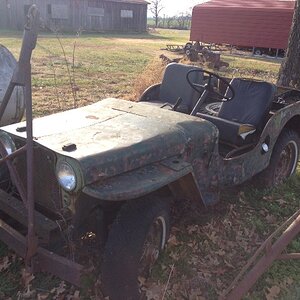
(136, 238)
(257, 51)
(284, 159)
(188, 46)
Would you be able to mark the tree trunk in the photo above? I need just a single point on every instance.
(289, 73)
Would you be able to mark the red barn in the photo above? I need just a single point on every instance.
(252, 23)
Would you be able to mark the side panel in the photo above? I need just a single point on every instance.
(239, 169)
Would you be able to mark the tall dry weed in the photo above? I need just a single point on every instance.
(152, 74)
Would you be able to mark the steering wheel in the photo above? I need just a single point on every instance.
(207, 88)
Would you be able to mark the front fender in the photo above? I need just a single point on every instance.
(139, 182)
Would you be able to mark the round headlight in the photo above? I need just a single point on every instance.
(7, 143)
(66, 176)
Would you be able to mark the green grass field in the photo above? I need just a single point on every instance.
(207, 248)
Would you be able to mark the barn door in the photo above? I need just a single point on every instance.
(95, 16)
(96, 23)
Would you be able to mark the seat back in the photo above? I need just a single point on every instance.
(175, 85)
(251, 103)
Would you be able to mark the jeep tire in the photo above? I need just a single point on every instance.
(284, 159)
(137, 236)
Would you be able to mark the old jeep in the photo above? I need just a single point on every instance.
(110, 169)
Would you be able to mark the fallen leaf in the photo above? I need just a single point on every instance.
(270, 219)
(26, 277)
(273, 292)
(154, 292)
(60, 289)
(42, 296)
(4, 263)
(28, 294)
(173, 241)
(221, 252)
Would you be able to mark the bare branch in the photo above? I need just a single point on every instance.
(156, 7)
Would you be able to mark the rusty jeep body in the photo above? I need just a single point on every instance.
(111, 168)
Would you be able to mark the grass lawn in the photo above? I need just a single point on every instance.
(207, 248)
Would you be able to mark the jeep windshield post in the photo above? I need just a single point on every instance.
(36, 258)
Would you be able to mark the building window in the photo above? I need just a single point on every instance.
(126, 14)
(59, 11)
(95, 11)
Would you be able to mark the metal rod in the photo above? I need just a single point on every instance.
(265, 261)
(14, 175)
(258, 252)
(31, 237)
(13, 155)
(29, 43)
(44, 260)
(289, 256)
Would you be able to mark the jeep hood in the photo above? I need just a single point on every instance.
(115, 136)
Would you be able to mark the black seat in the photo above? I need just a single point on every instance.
(174, 85)
(246, 112)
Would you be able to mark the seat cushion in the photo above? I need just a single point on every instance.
(231, 132)
(175, 85)
(251, 103)
(246, 113)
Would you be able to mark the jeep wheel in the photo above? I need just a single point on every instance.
(257, 51)
(284, 159)
(136, 238)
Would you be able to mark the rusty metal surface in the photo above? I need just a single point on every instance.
(14, 175)
(22, 77)
(16, 209)
(44, 260)
(13, 239)
(149, 178)
(24, 73)
(60, 266)
(272, 252)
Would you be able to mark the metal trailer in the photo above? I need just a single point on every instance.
(261, 25)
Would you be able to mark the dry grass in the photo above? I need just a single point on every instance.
(152, 74)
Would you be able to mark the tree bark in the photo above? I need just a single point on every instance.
(289, 73)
